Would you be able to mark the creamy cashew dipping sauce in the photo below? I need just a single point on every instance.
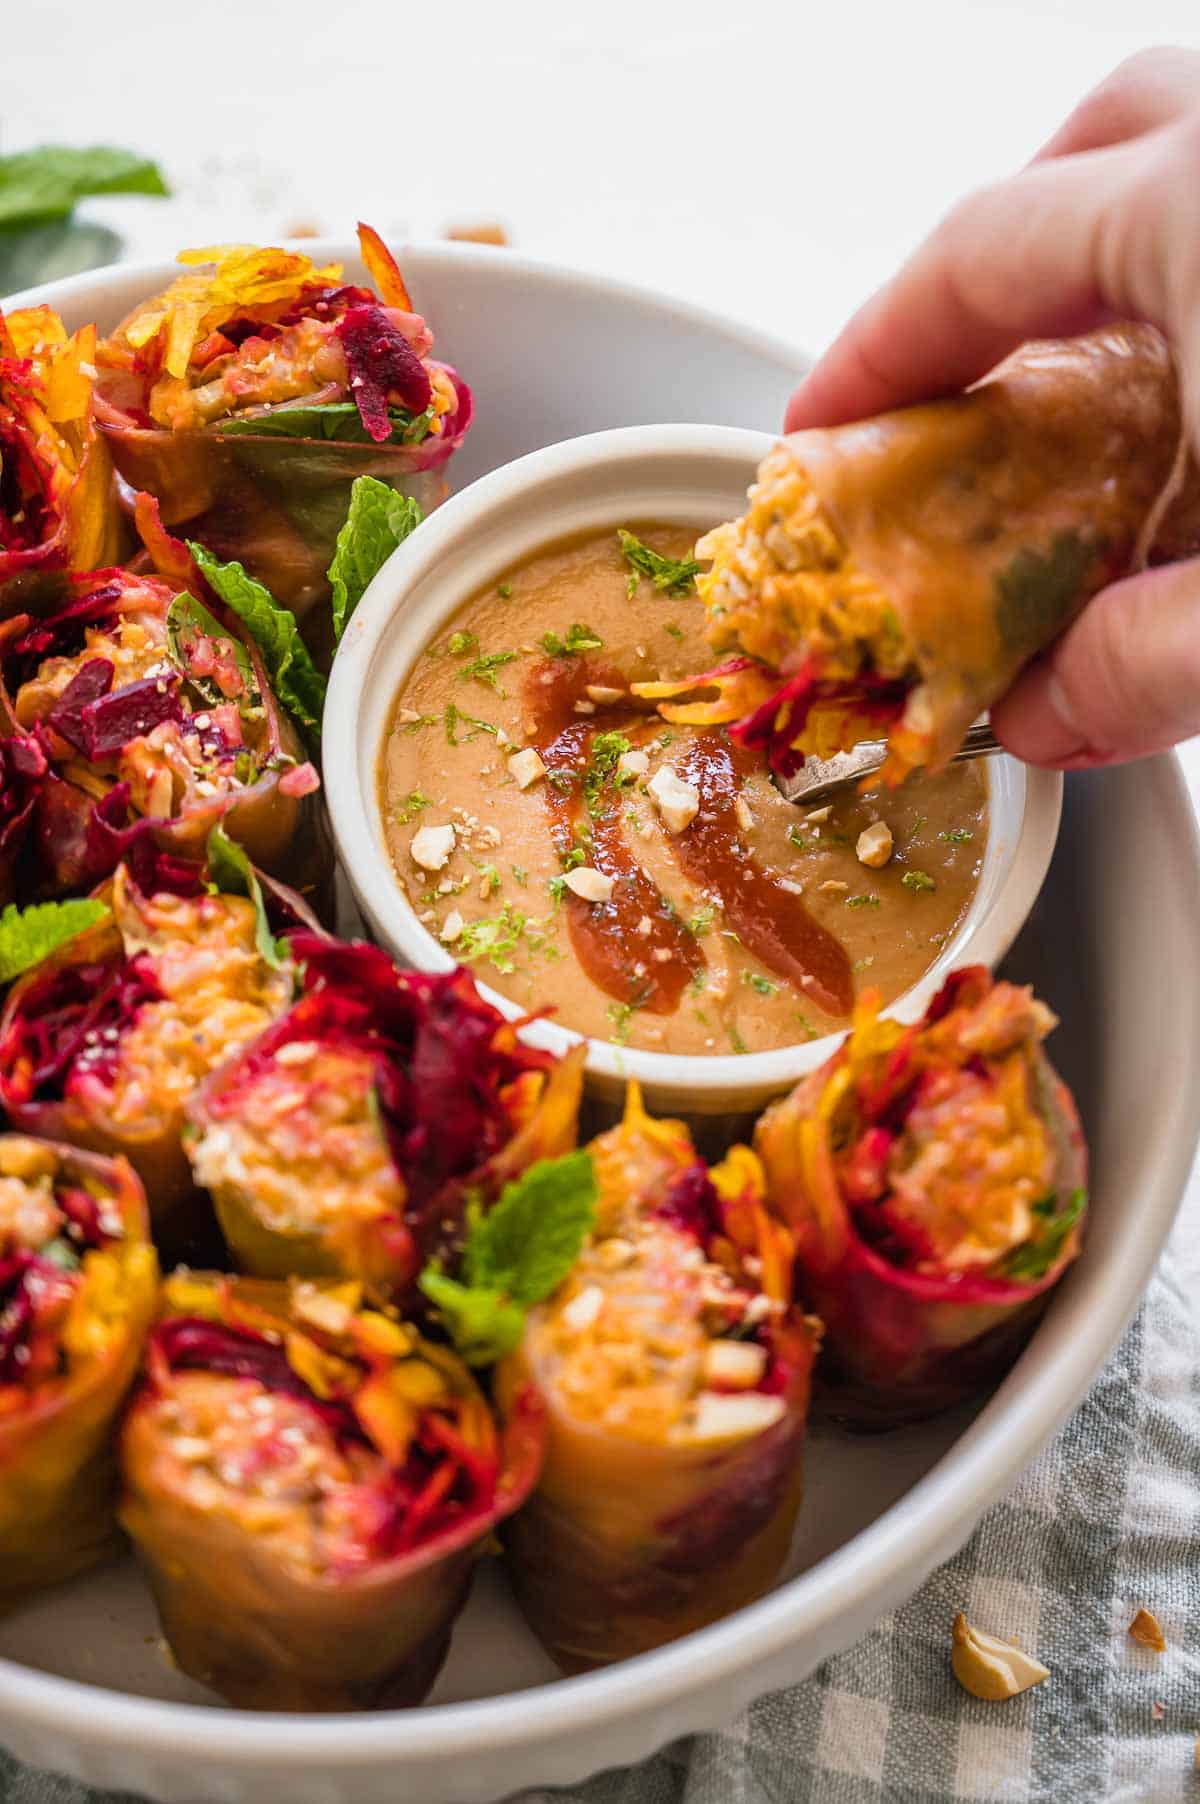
(646, 881)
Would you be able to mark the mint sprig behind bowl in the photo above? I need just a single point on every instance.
(40, 240)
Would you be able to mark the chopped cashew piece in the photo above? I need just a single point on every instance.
(583, 1309)
(989, 1668)
(452, 927)
(818, 815)
(743, 813)
(1147, 1629)
(589, 883)
(833, 886)
(735, 1365)
(432, 846)
(875, 845)
(604, 694)
(723, 1417)
(678, 802)
(633, 764)
(526, 767)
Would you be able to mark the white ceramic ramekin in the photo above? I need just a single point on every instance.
(689, 475)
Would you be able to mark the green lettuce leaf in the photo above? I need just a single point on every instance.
(186, 612)
(46, 183)
(297, 681)
(28, 935)
(378, 520)
(334, 420)
(233, 874)
(516, 1253)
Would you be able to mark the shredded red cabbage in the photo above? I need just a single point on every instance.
(691, 1204)
(438, 1070)
(71, 1022)
(382, 364)
(62, 635)
(23, 767)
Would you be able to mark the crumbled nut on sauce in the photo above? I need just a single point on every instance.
(818, 816)
(526, 767)
(678, 802)
(452, 927)
(592, 885)
(582, 707)
(874, 845)
(406, 716)
(604, 694)
(989, 1668)
(1146, 1628)
(633, 764)
(720, 1416)
(743, 813)
(832, 886)
(431, 847)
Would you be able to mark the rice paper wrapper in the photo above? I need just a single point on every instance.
(57, 1461)
(900, 1346)
(272, 503)
(628, 1544)
(989, 519)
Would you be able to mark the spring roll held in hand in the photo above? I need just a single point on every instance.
(309, 1484)
(674, 1372)
(933, 1177)
(78, 1282)
(893, 575)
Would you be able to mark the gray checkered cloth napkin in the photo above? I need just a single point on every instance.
(1105, 1522)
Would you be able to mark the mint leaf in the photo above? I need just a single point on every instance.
(28, 935)
(674, 576)
(516, 1253)
(378, 520)
(297, 681)
(578, 640)
(234, 875)
(339, 421)
(187, 619)
(527, 1242)
(46, 183)
(483, 1324)
(1039, 1254)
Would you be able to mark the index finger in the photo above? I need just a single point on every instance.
(1024, 259)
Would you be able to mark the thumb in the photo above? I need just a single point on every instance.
(1121, 683)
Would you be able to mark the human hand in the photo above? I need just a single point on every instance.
(1103, 224)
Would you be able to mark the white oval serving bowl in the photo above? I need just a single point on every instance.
(690, 476)
(83, 1685)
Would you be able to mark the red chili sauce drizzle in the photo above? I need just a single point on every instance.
(768, 918)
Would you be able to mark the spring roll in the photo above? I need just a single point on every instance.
(249, 395)
(330, 1146)
(674, 1369)
(149, 712)
(104, 1041)
(891, 577)
(934, 1177)
(309, 1484)
(58, 504)
(78, 1282)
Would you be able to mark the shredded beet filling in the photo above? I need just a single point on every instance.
(70, 1023)
(382, 364)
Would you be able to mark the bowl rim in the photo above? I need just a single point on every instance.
(1090, 1313)
(985, 932)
